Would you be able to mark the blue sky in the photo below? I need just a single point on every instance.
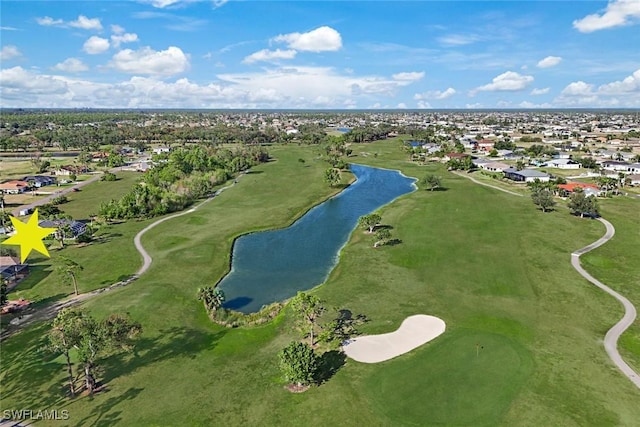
(320, 54)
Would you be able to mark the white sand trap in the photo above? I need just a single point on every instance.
(412, 333)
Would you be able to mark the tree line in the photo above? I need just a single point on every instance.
(181, 177)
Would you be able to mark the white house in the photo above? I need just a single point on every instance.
(494, 167)
(634, 168)
(526, 175)
(563, 164)
(159, 150)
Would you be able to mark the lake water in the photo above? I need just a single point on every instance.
(274, 265)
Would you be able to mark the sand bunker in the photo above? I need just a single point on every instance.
(412, 333)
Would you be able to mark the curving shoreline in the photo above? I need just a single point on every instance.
(613, 334)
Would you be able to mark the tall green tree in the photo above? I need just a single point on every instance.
(332, 176)
(432, 182)
(370, 221)
(91, 340)
(69, 269)
(63, 337)
(308, 308)
(382, 237)
(543, 197)
(579, 203)
(299, 363)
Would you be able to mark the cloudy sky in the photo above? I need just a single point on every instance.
(320, 54)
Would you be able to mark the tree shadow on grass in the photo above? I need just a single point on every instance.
(27, 367)
(393, 242)
(328, 364)
(37, 273)
(176, 342)
(384, 227)
(103, 414)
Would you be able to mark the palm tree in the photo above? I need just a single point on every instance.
(212, 298)
(69, 269)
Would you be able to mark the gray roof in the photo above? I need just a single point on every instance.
(527, 173)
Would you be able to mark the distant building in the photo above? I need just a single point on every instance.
(160, 150)
(526, 175)
(39, 180)
(14, 187)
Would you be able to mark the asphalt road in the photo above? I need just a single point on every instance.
(613, 334)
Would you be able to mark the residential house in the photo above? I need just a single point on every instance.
(526, 175)
(160, 150)
(570, 187)
(14, 187)
(634, 168)
(458, 156)
(563, 163)
(68, 170)
(12, 270)
(76, 228)
(634, 179)
(39, 180)
(615, 165)
(485, 145)
(495, 167)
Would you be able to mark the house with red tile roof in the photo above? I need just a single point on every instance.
(14, 187)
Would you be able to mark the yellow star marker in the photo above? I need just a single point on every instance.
(29, 236)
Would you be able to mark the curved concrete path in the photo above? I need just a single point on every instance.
(50, 311)
(488, 185)
(613, 334)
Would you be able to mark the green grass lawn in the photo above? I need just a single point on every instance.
(108, 259)
(488, 263)
(86, 202)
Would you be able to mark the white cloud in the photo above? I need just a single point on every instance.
(424, 105)
(578, 88)
(86, 23)
(626, 86)
(319, 40)
(21, 85)
(9, 28)
(71, 65)
(9, 52)
(269, 55)
(459, 39)
(549, 61)
(147, 61)
(618, 13)
(95, 45)
(117, 29)
(48, 21)
(542, 91)
(161, 4)
(401, 105)
(435, 94)
(509, 81)
(620, 93)
(409, 77)
(527, 104)
(117, 39)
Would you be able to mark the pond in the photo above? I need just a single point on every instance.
(274, 265)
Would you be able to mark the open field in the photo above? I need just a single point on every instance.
(494, 268)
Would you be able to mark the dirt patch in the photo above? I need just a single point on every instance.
(295, 388)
